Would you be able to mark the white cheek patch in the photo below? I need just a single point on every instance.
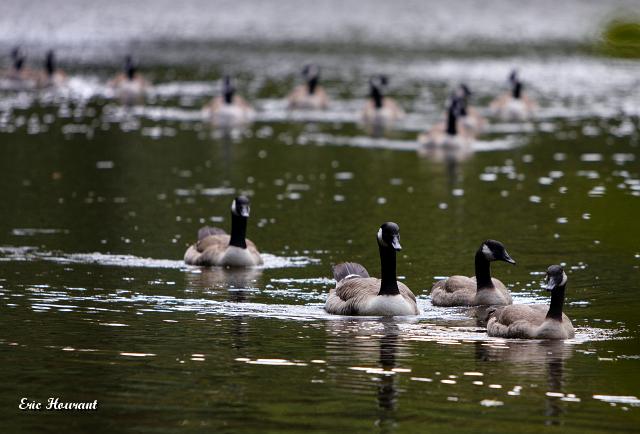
(233, 206)
(380, 240)
(486, 251)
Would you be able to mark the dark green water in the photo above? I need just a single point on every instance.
(99, 203)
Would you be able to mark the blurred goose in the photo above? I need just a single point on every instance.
(515, 105)
(19, 75)
(130, 86)
(380, 111)
(535, 321)
(358, 294)
(309, 96)
(480, 289)
(471, 120)
(229, 110)
(52, 75)
(447, 140)
(215, 247)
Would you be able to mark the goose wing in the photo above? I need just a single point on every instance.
(351, 293)
(348, 269)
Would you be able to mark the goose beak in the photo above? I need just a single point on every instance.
(244, 211)
(395, 243)
(507, 258)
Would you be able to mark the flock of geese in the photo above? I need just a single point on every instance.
(356, 292)
(450, 139)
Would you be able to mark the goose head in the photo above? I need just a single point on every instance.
(241, 207)
(555, 278)
(516, 84)
(377, 88)
(389, 236)
(18, 58)
(228, 89)
(130, 67)
(494, 250)
(464, 93)
(311, 75)
(50, 63)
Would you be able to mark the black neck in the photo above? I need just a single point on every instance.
(18, 63)
(238, 231)
(130, 70)
(452, 128)
(312, 84)
(228, 95)
(377, 97)
(388, 283)
(517, 90)
(557, 300)
(50, 65)
(483, 271)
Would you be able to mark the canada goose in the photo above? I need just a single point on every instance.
(515, 105)
(535, 321)
(309, 96)
(358, 294)
(472, 121)
(215, 247)
(380, 111)
(130, 86)
(19, 76)
(447, 140)
(229, 110)
(480, 289)
(52, 75)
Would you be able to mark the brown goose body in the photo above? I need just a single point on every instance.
(522, 321)
(359, 296)
(301, 99)
(462, 291)
(214, 250)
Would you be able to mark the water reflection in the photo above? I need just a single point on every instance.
(239, 281)
(535, 358)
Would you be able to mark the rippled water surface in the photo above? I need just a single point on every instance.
(99, 202)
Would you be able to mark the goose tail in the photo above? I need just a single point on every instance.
(348, 270)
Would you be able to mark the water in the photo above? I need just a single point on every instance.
(99, 202)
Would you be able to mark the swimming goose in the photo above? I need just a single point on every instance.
(129, 86)
(472, 121)
(19, 76)
(447, 140)
(515, 105)
(380, 111)
(52, 75)
(358, 294)
(480, 289)
(535, 321)
(229, 110)
(309, 96)
(215, 247)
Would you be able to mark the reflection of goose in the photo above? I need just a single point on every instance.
(532, 359)
(515, 105)
(309, 96)
(535, 321)
(215, 247)
(229, 110)
(480, 289)
(358, 294)
(380, 111)
(448, 140)
(225, 278)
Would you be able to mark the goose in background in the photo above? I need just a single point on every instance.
(309, 96)
(516, 104)
(18, 75)
(130, 85)
(216, 248)
(229, 110)
(535, 321)
(358, 294)
(472, 122)
(52, 75)
(480, 289)
(380, 111)
(447, 140)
